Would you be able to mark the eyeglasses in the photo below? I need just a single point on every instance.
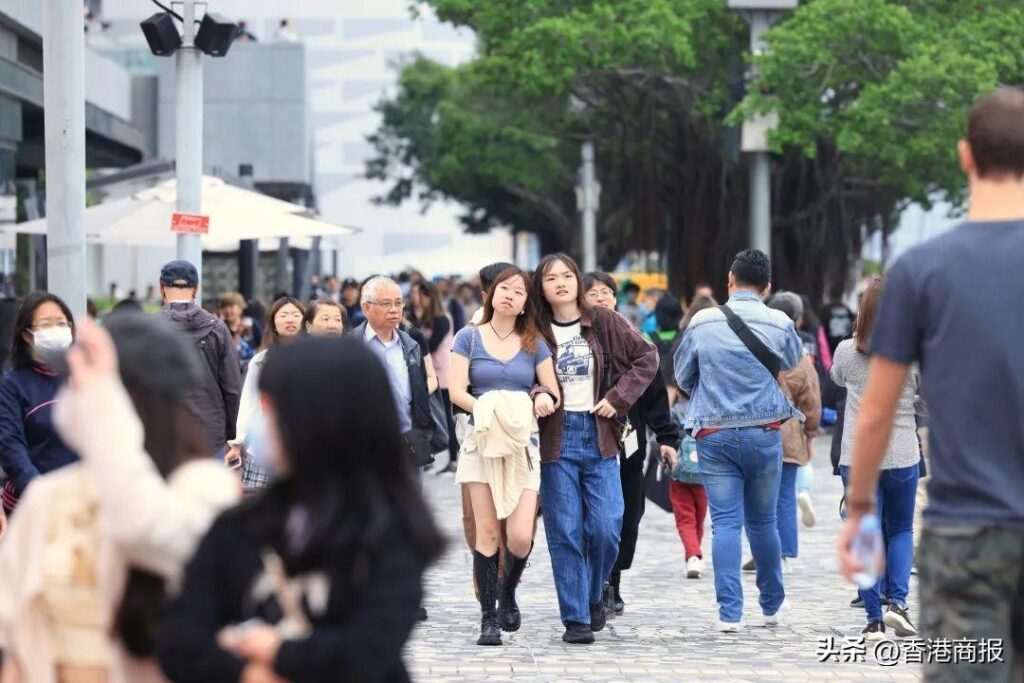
(397, 303)
(48, 324)
(602, 293)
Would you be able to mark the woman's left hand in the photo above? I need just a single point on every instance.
(604, 409)
(254, 643)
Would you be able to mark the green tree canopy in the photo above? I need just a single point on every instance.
(871, 95)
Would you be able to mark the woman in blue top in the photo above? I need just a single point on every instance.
(29, 444)
(503, 352)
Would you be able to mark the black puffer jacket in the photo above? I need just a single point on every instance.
(215, 400)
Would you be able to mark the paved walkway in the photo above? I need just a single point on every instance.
(664, 635)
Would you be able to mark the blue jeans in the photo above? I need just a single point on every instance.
(581, 494)
(805, 478)
(786, 510)
(740, 470)
(897, 496)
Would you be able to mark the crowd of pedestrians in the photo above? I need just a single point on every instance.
(234, 496)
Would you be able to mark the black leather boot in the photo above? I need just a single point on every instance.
(485, 570)
(618, 606)
(508, 611)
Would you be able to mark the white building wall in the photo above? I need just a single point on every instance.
(353, 46)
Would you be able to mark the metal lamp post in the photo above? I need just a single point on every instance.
(188, 139)
(760, 14)
(64, 105)
(588, 200)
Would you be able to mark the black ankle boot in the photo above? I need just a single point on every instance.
(485, 570)
(618, 606)
(508, 611)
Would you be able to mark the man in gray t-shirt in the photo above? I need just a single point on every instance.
(953, 305)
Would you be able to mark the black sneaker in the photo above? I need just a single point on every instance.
(578, 634)
(620, 605)
(898, 620)
(857, 602)
(874, 631)
(750, 566)
(598, 617)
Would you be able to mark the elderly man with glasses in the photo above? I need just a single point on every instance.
(402, 356)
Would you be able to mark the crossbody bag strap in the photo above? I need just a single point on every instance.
(768, 359)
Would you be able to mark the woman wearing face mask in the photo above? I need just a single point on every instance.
(319, 578)
(603, 365)
(29, 444)
(494, 367)
(324, 317)
(651, 411)
(284, 324)
(94, 546)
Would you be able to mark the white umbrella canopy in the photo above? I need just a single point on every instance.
(236, 213)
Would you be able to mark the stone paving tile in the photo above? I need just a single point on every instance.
(663, 636)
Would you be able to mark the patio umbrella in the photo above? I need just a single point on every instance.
(236, 213)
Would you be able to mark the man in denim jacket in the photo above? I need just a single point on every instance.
(735, 412)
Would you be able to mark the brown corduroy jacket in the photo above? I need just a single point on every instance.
(631, 363)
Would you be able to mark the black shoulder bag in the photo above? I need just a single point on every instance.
(768, 359)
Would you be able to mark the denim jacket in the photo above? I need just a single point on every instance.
(728, 387)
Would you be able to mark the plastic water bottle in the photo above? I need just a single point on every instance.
(867, 549)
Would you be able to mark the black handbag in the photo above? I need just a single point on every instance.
(656, 488)
(439, 440)
(417, 443)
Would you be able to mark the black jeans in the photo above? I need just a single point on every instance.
(631, 472)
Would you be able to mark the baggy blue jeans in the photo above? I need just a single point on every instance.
(786, 511)
(897, 496)
(581, 495)
(740, 470)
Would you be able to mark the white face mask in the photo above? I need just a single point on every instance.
(52, 338)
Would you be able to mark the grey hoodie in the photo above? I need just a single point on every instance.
(215, 400)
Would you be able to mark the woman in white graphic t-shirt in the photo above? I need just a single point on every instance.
(603, 365)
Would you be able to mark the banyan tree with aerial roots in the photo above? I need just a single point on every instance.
(871, 97)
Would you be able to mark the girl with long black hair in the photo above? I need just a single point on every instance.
(603, 365)
(94, 545)
(320, 577)
(284, 324)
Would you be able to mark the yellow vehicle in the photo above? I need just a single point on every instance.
(643, 280)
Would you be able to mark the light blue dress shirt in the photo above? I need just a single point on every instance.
(393, 356)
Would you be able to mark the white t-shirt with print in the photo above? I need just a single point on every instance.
(574, 366)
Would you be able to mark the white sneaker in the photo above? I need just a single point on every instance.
(803, 500)
(726, 626)
(694, 566)
(786, 566)
(778, 617)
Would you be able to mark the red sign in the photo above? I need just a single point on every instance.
(190, 224)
